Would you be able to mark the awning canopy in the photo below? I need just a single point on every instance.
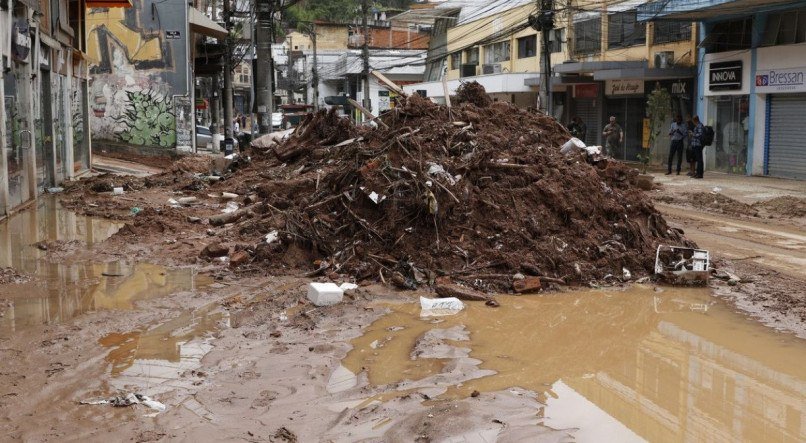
(108, 3)
(698, 10)
(590, 67)
(204, 25)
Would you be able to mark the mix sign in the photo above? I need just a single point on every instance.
(781, 80)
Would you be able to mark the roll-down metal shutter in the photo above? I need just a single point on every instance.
(787, 142)
(586, 110)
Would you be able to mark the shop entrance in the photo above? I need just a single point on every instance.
(629, 113)
(17, 143)
(730, 134)
(45, 161)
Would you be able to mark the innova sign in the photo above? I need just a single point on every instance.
(781, 80)
(725, 76)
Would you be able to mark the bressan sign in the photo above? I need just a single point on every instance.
(725, 76)
(781, 80)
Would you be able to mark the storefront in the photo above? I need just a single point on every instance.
(727, 109)
(586, 104)
(625, 100)
(756, 101)
(780, 84)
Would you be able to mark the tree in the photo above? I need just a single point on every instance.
(658, 110)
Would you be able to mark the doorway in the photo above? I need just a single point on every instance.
(629, 113)
(45, 162)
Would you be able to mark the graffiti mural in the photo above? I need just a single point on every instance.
(136, 73)
(148, 120)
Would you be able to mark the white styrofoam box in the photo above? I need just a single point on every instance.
(324, 294)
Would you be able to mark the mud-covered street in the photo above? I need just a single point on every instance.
(176, 310)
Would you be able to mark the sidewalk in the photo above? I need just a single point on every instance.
(745, 189)
(123, 167)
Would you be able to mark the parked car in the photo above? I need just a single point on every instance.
(203, 137)
(276, 121)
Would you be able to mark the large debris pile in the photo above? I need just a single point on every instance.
(475, 193)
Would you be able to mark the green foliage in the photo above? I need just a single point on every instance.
(148, 120)
(329, 10)
(659, 107)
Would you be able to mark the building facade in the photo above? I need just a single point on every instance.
(44, 139)
(604, 62)
(142, 94)
(751, 84)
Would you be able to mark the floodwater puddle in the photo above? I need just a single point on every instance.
(62, 290)
(161, 359)
(631, 365)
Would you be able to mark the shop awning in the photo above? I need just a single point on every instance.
(590, 67)
(109, 3)
(697, 10)
(643, 74)
(204, 25)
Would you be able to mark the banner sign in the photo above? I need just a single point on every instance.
(781, 80)
(624, 87)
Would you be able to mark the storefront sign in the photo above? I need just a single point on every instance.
(680, 88)
(725, 76)
(624, 87)
(781, 80)
(586, 91)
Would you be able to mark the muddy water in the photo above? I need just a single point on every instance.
(160, 359)
(63, 289)
(632, 365)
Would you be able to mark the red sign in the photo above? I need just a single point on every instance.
(590, 90)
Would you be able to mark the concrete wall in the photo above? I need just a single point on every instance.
(140, 98)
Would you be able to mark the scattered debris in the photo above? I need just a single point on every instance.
(128, 400)
(681, 265)
(432, 307)
(214, 249)
(527, 285)
(446, 289)
(324, 294)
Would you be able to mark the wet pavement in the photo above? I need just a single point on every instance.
(61, 289)
(673, 365)
(160, 359)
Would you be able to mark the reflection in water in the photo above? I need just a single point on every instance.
(632, 365)
(65, 290)
(157, 360)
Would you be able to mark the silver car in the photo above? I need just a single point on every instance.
(204, 138)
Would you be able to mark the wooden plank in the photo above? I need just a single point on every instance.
(366, 112)
(389, 83)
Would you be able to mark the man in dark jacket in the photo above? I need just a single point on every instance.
(697, 145)
(678, 132)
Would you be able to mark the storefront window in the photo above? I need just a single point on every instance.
(729, 153)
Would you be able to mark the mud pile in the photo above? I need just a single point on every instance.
(479, 194)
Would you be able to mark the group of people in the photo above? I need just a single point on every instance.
(692, 129)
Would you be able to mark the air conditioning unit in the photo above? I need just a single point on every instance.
(468, 70)
(664, 59)
(491, 69)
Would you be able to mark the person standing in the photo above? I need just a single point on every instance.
(577, 128)
(690, 152)
(697, 147)
(678, 132)
(614, 136)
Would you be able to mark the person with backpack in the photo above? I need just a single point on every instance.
(698, 143)
(678, 132)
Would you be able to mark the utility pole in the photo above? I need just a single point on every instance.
(365, 54)
(228, 133)
(315, 70)
(264, 69)
(544, 22)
